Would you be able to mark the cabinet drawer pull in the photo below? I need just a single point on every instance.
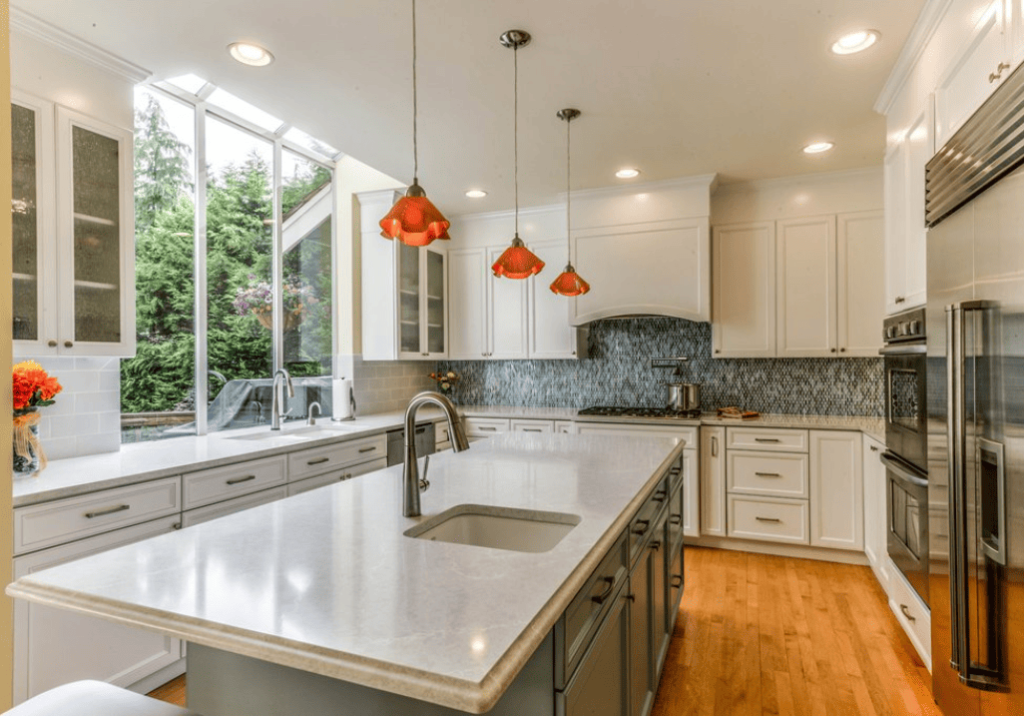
(641, 526)
(659, 496)
(489, 430)
(675, 584)
(52, 344)
(109, 511)
(655, 545)
(600, 598)
(874, 448)
(901, 299)
(676, 520)
(176, 526)
(773, 520)
(318, 461)
(906, 612)
(420, 431)
(714, 446)
(629, 597)
(367, 449)
(767, 440)
(69, 344)
(237, 480)
(767, 474)
(532, 430)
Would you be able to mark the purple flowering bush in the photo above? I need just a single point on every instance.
(258, 296)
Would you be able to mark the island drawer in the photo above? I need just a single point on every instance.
(583, 617)
(777, 474)
(485, 427)
(766, 439)
(769, 518)
(220, 509)
(329, 458)
(347, 473)
(641, 527)
(223, 483)
(52, 523)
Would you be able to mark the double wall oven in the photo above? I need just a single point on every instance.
(906, 437)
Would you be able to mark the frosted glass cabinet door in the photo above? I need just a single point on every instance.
(435, 278)
(34, 326)
(95, 232)
(409, 299)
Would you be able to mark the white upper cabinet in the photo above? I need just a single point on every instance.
(743, 325)
(551, 336)
(806, 299)
(860, 251)
(659, 268)
(74, 229)
(422, 300)
(1017, 31)
(468, 304)
(507, 315)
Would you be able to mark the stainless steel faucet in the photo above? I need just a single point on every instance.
(319, 412)
(411, 472)
(275, 406)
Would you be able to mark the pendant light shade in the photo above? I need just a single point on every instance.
(569, 283)
(517, 261)
(414, 220)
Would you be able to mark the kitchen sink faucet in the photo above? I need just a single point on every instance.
(413, 485)
(275, 405)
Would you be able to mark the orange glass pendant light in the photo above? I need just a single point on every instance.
(569, 283)
(414, 220)
(517, 261)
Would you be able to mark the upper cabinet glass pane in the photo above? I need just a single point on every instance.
(237, 106)
(190, 83)
(310, 142)
(24, 218)
(97, 235)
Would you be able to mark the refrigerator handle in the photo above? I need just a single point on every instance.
(954, 461)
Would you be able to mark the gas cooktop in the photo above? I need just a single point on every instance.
(603, 411)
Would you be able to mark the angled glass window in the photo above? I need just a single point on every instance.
(310, 142)
(190, 83)
(238, 106)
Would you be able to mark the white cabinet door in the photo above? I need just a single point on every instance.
(712, 481)
(895, 174)
(806, 285)
(1016, 31)
(55, 646)
(529, 425)
(875, 511)
(691, 494)
(507, 315)
(860, 252)
(551, 336)
(974, 72)
(920, 143)
(676, 284)
(743, 261)
(467, 306)
(837, 490)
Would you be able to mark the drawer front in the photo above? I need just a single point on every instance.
(583, 616)
(486, 427)
(442, 436)
(769, 519)
(53, 523)
(330, 478)
(212, 512)
(532, 426)
(224, 483)
(317, 461)
(777, 474)
(642, 526)
(566, 427)
(686, 434)
(766, 439)
(911, 613)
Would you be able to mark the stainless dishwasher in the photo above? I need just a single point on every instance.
(426, 443)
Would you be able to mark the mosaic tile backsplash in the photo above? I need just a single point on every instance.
(619, 373)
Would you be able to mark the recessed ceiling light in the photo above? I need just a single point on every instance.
(627, 173)
(818, 147)
(250, 54)
(476, 193)
(855, 42)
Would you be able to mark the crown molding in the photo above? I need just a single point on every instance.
(927, 22)
(29, 25)
(797, 179)
(699, 181)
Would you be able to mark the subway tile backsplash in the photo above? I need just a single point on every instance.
(619, 372)
(385, 386)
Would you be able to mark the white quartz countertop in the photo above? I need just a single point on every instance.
(326, 581)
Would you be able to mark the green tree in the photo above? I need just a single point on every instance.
(161, 165)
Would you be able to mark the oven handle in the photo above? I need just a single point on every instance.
(904, 349)
(901, 472)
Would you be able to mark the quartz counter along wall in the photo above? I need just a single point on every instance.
(619, 372)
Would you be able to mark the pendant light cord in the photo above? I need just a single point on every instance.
(515, 55)
(415, 109)
(568, 189)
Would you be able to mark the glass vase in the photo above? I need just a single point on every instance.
(26, 467)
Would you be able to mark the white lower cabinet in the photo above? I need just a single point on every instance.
(566, 427)
(837, 490)
(876, 527)
(912, 614)
(312, 483)
(229, 507)
(481, 428)
(712, 482)
(55, 646)
(769, 519)
(522, 425)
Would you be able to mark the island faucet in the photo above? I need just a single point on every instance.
(275, 405)
(411, 472)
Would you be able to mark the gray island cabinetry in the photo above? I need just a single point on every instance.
(325, 603)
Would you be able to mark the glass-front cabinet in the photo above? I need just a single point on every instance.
(422, 330)
(73, 220)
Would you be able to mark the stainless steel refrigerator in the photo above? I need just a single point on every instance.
(975, 314)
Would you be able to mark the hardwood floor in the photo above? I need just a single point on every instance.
(772, 635)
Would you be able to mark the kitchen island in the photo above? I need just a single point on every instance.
(321, 603)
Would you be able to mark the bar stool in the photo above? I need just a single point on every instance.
(94, 698)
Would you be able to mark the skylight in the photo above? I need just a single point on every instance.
(190, 83)
(310, 142)
(239, 107)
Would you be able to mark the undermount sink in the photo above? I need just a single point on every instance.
(497, 527)
(310, 433)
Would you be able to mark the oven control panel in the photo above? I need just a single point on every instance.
(908, 326)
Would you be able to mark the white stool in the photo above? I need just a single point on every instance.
(94, 698)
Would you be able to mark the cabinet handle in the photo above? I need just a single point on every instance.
(52, 344)
(842, 350)
(998, 74)
(318, 461)
(874, 449)
(714, 446)
(110, 511)
(901, 299)
(659, 496)
(677, 585)
(600, 598)
(532, 430)
(238, 480)
(675, 520)
(69, 344)
(489, 430)
(629, 597)
(424, 354)
(640, 527)
(767, 474)
(906, 613)
(718, 350)
(176, 526)
(833, 350)
(420, 431)
(367, 449)
(767, 440)
(655, 545)
(773, 520)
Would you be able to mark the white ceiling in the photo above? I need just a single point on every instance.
(674, 87)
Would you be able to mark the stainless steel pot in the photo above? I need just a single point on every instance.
(683, 397)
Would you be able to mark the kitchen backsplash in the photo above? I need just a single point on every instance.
(385, 386)
(618, 372)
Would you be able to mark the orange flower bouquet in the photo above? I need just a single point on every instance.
(32, 388)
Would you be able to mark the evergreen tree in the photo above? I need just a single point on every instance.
(162, 172)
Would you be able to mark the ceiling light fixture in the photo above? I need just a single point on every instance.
(476, 193)
(414, 220)
(569, 283)
(855, 42)
(517, 261)
(249, 54)
(627, 173)
(818, 147)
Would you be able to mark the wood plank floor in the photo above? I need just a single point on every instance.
(772, 635)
